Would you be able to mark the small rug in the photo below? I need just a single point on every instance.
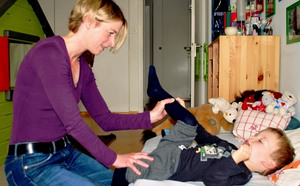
(106, 139)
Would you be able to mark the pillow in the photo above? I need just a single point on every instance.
(294, 124)
(250, 122)
(290, 174)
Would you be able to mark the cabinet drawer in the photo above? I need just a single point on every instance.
(6, 121)
(5, 134)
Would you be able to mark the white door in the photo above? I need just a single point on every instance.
(171, 34)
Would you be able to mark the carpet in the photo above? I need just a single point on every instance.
(106, 139)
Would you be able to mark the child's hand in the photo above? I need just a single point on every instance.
(242, 154)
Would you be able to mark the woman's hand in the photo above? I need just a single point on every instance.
(158, 112)
(128, 160)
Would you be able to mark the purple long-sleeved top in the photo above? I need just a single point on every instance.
(45, 102)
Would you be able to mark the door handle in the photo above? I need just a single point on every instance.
(187, 48)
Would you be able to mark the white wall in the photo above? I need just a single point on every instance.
(289, 69)
(48, 9)
(118, 76)
(289, 63)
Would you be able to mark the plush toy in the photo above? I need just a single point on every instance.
(255, 95)
(284, 105)
(248, 102)
(229, 111)
(266, 99)
(260, 105)
(213, 123)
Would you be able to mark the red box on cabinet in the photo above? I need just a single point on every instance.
(4, 64)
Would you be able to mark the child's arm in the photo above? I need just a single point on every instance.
(226, 172)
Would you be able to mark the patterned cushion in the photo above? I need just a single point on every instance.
(250, 122)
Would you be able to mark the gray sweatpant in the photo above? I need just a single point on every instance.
(166, 155)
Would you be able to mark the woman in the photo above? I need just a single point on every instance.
(51, 80)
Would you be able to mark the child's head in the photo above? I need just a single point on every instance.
(285, 152)
(271, 150)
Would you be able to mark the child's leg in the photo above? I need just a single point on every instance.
(175, 110)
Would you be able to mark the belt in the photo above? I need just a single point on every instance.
(37, 147)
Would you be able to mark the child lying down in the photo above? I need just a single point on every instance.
(213, 161)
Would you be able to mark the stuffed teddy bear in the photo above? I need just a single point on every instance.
(284, 105)
(229, 111)
(213, 123)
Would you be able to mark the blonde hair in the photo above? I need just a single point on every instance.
(285, 152)
(100, 10)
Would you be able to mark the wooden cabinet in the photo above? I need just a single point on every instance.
(239, 63)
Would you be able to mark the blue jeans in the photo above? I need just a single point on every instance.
(65, 167)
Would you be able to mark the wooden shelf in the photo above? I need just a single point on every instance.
(239, 63)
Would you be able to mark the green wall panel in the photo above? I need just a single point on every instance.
(5, 121)
(3, 151)
(2, 97)
(5, 108)
(20, 17)
(3, 148)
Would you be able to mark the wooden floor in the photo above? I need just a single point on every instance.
(126, 141)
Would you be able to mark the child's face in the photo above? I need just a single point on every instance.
(262, 145)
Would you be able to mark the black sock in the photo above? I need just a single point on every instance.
(175, 110)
